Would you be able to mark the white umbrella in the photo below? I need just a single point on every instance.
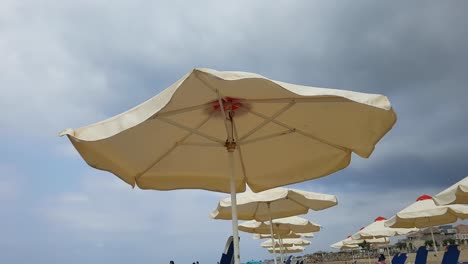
(378, 229)
(287, 242)
(272, 204)
(290, 235)
(293, 249)
(219, 131)
(372, 241)
(455, 194)
(281, 226)
(341, 245)
(425, 213)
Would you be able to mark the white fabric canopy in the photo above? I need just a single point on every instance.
(280, 226)
(273, 203)
(283, 133)
(290, 235)
(455, 194)
(425, 213)
(287, 242)
(294, 249)
(341, 245)
(372, 241)
(377, 229)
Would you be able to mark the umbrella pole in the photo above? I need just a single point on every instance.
(271, 232)
(235, 228)
(433, 241)
(281, 246)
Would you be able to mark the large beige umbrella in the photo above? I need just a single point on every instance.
(287, 242)
(425, 213)
(219, 131)
(455, 194)
(377, 229)
(293, 249)
(273, 203)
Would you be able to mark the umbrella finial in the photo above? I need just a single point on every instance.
(380, 218)
(423, 197)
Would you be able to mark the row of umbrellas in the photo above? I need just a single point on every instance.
(273, 214)
(220, 131)
(446, 207)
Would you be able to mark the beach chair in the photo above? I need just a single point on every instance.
(395, 258)
(421, 255)
(402, 258)
(451, 255)
(302, 262)
(228, 255)
(288, 261)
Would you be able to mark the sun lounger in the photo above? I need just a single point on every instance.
(451, 255)
(288, 261)
(421, 255)
(402, 258)
(228, 255)
(395, 258)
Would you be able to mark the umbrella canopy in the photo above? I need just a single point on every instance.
(286, 242)
(281, 133)
(290, 235)
(425, 213)
(341, 245)
(219, 131)
(293, 249)
(372, 241)
(378, 229)
(280, 226)
(273, 203)
(455, 194)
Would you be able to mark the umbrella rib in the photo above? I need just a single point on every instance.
(194, 131)
(299, 131)
(268, 120)
(179, 142)
(267, 137)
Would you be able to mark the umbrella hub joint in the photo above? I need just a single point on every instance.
(230, 145)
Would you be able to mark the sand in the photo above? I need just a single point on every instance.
(431, 259)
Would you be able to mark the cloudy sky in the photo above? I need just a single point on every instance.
(72, 63)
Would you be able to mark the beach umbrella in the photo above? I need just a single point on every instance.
(286, 242)
(272, 204)
(378, 229)
(341, 245)
(290, 235)
(425, 213)
(372, 241)
(455, 194)
(281, 226)
(287, 250)
(219, 131)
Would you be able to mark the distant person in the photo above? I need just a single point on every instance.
(171, 262)
(381, 259)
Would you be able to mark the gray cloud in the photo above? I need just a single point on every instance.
(68, 64)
